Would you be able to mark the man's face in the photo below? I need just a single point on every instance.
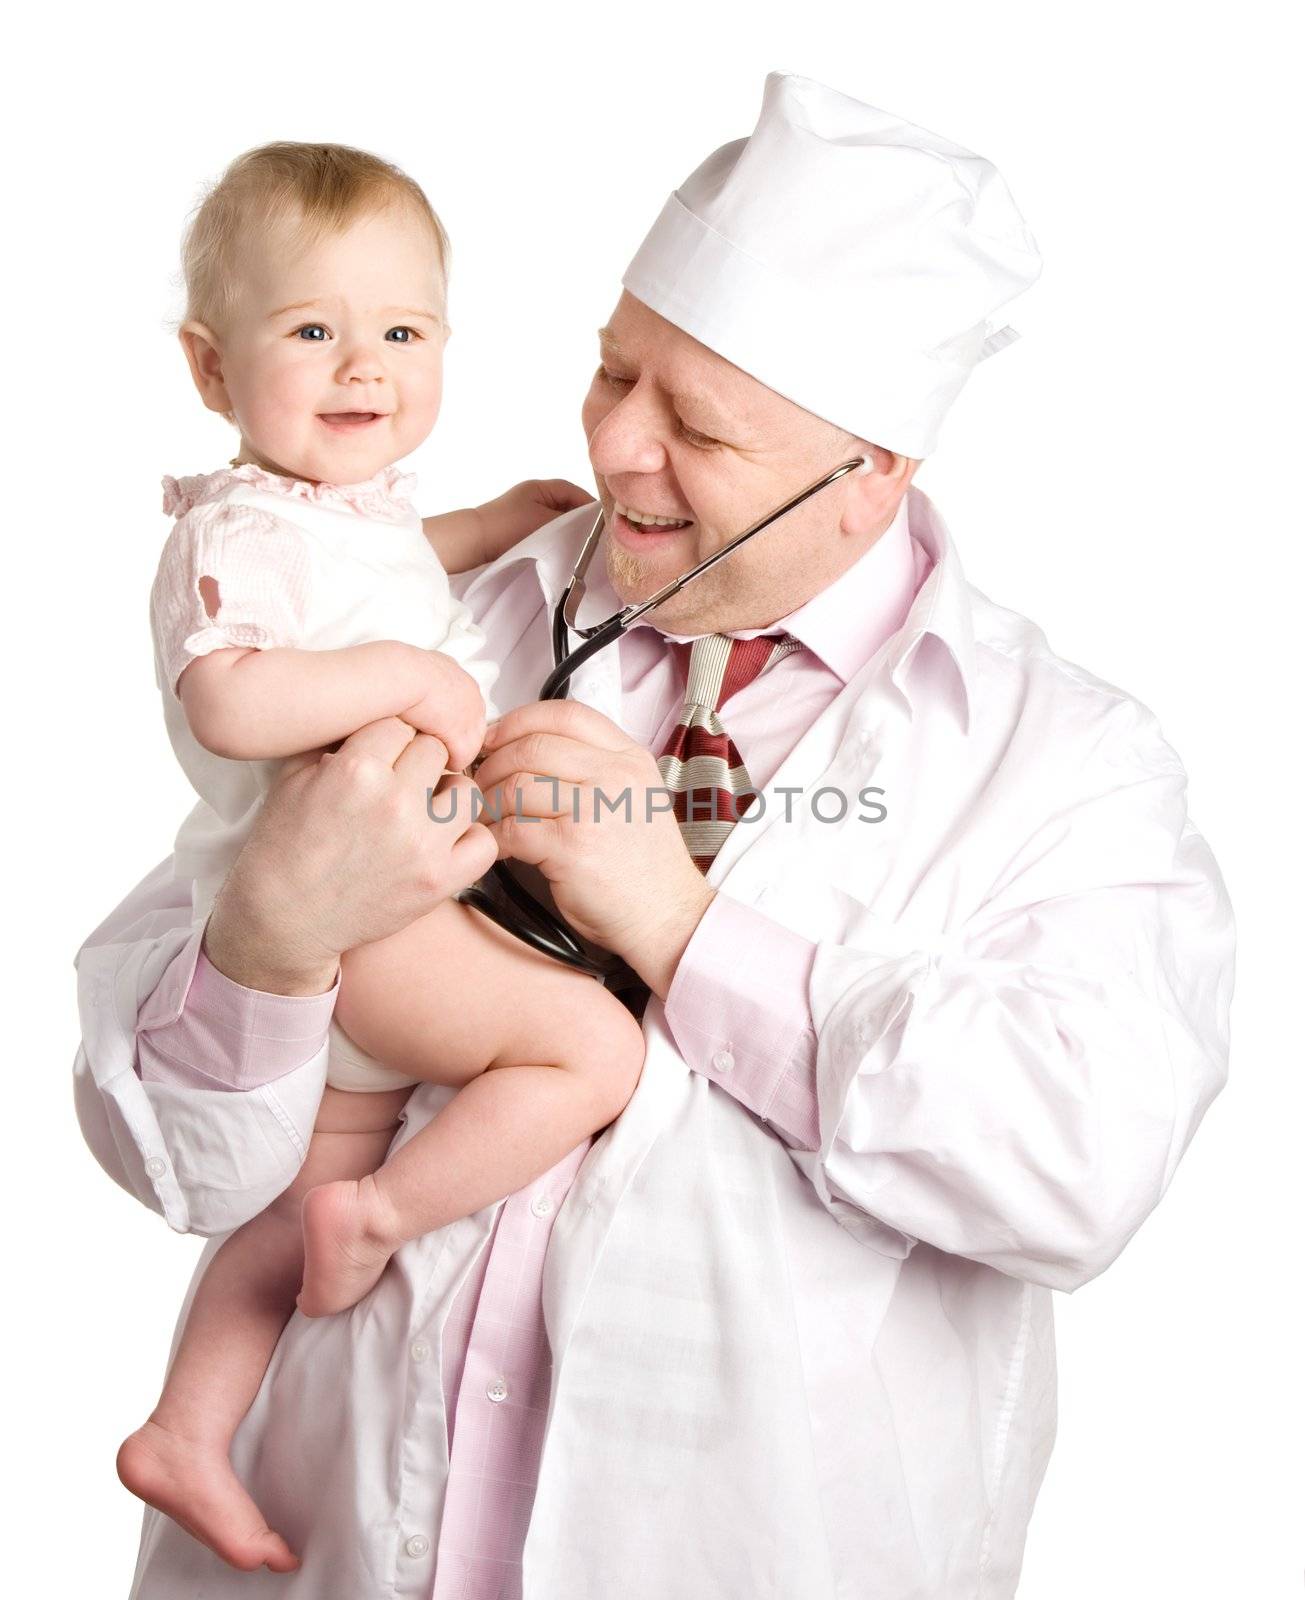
(675, 431)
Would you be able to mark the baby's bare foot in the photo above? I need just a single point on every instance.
(347, 1242)
(194, 1485)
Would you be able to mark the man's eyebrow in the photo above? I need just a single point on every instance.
(717, 422)
(681, 400)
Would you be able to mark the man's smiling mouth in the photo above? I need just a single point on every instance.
(649, 521)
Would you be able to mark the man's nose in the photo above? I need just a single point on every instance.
(630, 438)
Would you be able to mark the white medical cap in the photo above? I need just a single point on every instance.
(853, 263)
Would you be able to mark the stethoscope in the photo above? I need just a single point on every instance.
(513, 907)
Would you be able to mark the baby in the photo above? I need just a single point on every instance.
(297, 599)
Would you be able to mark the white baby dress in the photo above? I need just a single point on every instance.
(309, 566)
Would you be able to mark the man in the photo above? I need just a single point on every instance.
(930, 1024)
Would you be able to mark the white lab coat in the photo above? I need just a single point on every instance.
(777, 1373)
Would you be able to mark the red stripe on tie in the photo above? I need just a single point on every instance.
(699, 731)
(685, 743)
(711, 805)
(747, 658)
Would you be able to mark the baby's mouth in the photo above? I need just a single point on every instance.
(349, 421)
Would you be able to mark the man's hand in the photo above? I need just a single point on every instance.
(507, 520)
(595, 818)
(344, 852)
(452, 709)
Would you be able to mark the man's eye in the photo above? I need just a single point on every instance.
(402, 335)
(312, 331)
(699, 441)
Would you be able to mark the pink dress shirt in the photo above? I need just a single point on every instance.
(496, 1361)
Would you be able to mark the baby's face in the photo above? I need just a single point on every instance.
(333, 362)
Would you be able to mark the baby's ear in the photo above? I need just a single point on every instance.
(204, 358)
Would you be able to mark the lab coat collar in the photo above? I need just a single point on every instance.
(941, 611)
(845, 622)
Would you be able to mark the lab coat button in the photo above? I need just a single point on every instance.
(498, 1390)
(418, 1545)
(722, 1061)
(541, 1205)
(156, 1166)
(419, 1350)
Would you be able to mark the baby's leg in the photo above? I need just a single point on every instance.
(542, 1056)
(178, 1461)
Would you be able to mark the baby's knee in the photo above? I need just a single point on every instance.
(610, 1053)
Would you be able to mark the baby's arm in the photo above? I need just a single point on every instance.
(466, 539)
(458, 539)
(251, 705)
(229, 612)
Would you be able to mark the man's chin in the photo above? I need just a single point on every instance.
(631, 576)
(634, 578)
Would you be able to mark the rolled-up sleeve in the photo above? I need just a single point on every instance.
(739, 1011)
(200, 1028)
(202, 1114)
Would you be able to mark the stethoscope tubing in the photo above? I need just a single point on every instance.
(601, 634)
(537, 926)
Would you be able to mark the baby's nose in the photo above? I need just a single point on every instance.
(360, 363)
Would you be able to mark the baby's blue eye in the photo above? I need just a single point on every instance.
(401, 335)
(312, 331)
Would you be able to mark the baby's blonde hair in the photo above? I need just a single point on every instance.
(316, 188)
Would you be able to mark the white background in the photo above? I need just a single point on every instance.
(1124, 475)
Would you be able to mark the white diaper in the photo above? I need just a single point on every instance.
(348, 1067)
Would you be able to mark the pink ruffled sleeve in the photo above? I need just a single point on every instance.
(260, 566)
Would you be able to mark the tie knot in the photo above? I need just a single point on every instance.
(720, 666)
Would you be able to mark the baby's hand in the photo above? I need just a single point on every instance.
(452, 709)
(507, 520)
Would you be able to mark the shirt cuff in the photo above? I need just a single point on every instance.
(738, 1008)
(201, 1029)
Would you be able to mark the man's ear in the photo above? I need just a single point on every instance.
(204, 358)
(875, 492)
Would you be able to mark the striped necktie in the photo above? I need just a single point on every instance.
(701, 765)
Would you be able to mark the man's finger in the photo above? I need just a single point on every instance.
(544, 755)
(471, 857)
(385, 739)
(423, 761)
(569, 718)
(532, 796)
(456, 803)
(535, 843)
